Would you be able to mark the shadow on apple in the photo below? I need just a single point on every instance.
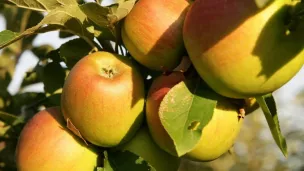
(276, 47)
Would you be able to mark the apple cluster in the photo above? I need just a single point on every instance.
(241, 49)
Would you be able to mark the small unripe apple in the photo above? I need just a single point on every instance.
(242, 50)
(103, 97)
(217, 136)
(143, 145)
(152, 33)
(46, 144)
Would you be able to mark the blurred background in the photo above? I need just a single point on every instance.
(254, 150)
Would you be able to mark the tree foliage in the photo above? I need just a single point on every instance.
(97, 28)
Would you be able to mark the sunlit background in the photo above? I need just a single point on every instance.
(254, 150)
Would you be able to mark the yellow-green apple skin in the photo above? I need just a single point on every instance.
(242, 50)
(143, 145)
(103, 97)
(217, 136)
(152, 33)
(46, 144)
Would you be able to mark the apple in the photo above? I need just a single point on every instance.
(243, 49)
(103, 98)
(152, 33)
(217, 136)
(143, 145)
(46, 144)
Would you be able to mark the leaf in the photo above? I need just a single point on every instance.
(121, 161)
(120, 10)
(53, 77)
(63, 34)
(7, 154)
(53, 100)
(25, 104)
(73, 51)
(69, 18)
(33, 19)
(268, 105)
(106, 163)
(6, 36)
(10, 119)
(96, 13)
(54, 56)
(4, 82)
(42, 50)
(184, 112)
(18, 20)
(42, 5)
(13, 37)
(52, 73)
(108, 16)
(30, 78)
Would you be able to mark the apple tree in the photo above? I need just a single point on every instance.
(142, 84)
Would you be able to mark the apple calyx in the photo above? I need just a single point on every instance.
(108, 72)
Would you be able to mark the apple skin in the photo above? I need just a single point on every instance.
(103, 97)
(217, 136)
(143, 145)
(240, 50)
(152, 33)
(46, 144)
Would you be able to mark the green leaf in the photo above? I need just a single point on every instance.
(120, 10)
(6, 39)
(42, 5)
(30, 78)
(25, 104)
(53, 100)
(7, 154)
(73, 51)
(184, 112)
(96, 13)
(7, 63)
(108, 16)
(54, 56)
(53, 77)
(10, 119)
(99, 15)
(52, 74)
(33, 19)
(6, 36)
(121, 161)
(106, 163)
(69, 18)
(63, 34)
(17, 20)
(42, 50)
(268, 105)
(4, 82)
